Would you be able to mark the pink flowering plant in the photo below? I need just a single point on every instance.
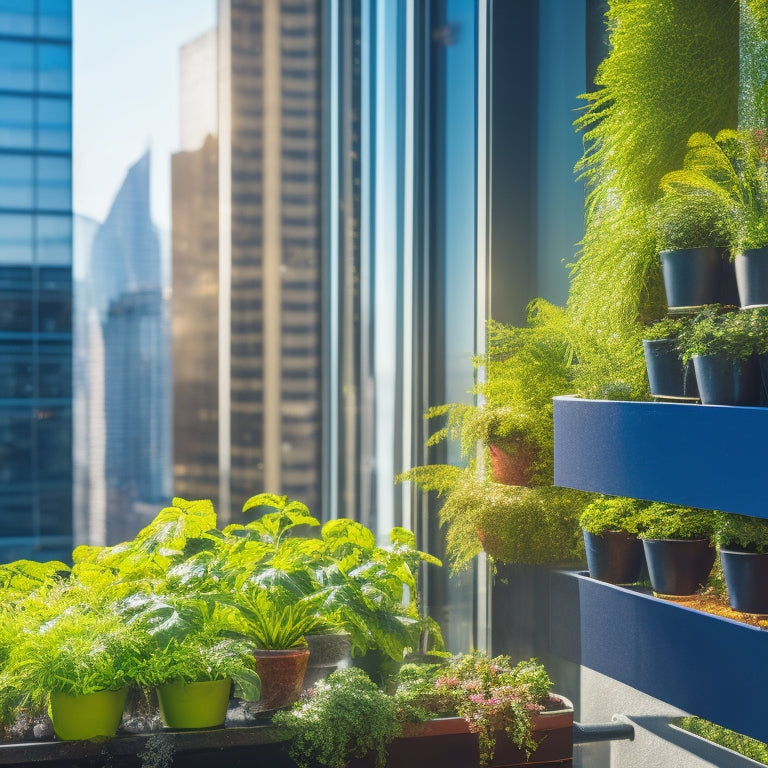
(489, 693)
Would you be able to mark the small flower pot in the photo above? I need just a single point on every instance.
(92, 716)
(721, 380)
(667, 377)
(746, 576)
(281, 673)
(678, 566)
(512, 470)
(752, 277)
(693, 277)
(194, 705)
(327, 653)
(614, 556)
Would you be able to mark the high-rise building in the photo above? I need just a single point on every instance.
(261, 391)
(35, 280)
(123, 434)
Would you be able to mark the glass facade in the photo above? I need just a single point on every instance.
(35, 279)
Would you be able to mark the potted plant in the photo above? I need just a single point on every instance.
(723, 348)
(677, 542)
(730, 171)
(668, 378)
(692, 240)
(77, 665)
(743, 543)
(190, 658)
(610, 525)
(346, 716)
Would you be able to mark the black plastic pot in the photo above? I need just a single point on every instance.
(667, 376)
(694, 277)
(721, 380)
(752, 277)
(614, 556)
(746, 576)
(678, 566)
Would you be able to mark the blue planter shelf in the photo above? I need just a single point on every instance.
(709, 666)
(714, 457)
(710, 456)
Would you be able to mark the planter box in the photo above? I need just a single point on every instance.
(664, 649)
(447, 742)
(710, 456)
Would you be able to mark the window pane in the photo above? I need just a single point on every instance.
(55, 372)
(16, 369)
(54, 240)
(54, 444)
(55, 300)
(55, 68)
(15, 238)
(15, 298)
(16, 465)
(16, 173)
(54, 183)
(54, 124)
(17, 66)
(17, 17)
(55, 18)
(16, 122)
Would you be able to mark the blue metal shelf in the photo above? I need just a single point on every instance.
(712, 667)
(709, 456)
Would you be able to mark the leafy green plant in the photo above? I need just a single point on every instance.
(346, 716)
(667, 328)
(743, 745)
(735, 334)
(654, 89)
(727, 173)
(489, 693)
(672, 521)
(741, 532)
(686, 220)
(613, 513)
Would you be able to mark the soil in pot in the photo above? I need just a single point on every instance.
(282, 674)
(724, 381)
(678, 566)
(92, 716)
(692, 277)
(746, 576)
(667, 376)
(752, 277)
(194, 705)
(614, 556)
(327, 653)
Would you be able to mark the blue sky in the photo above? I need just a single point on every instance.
(125, 93)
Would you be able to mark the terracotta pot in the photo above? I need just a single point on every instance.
(512, 470)
(281, 673)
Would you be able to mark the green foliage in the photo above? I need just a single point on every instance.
(672, 521)
(489, 693)
(613, 513)
(753, 82)
(741, 532)
(737, 334)
(744, 745)
(347, 716)
(729, 175)
(513, 524)
(666, 328)
(685, 221)
(654, 90)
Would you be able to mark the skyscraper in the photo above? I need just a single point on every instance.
(267, 378)
(36, 280)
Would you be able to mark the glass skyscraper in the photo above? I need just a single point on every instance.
(35, 279)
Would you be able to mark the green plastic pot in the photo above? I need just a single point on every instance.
(91, 716)
(194, 705)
